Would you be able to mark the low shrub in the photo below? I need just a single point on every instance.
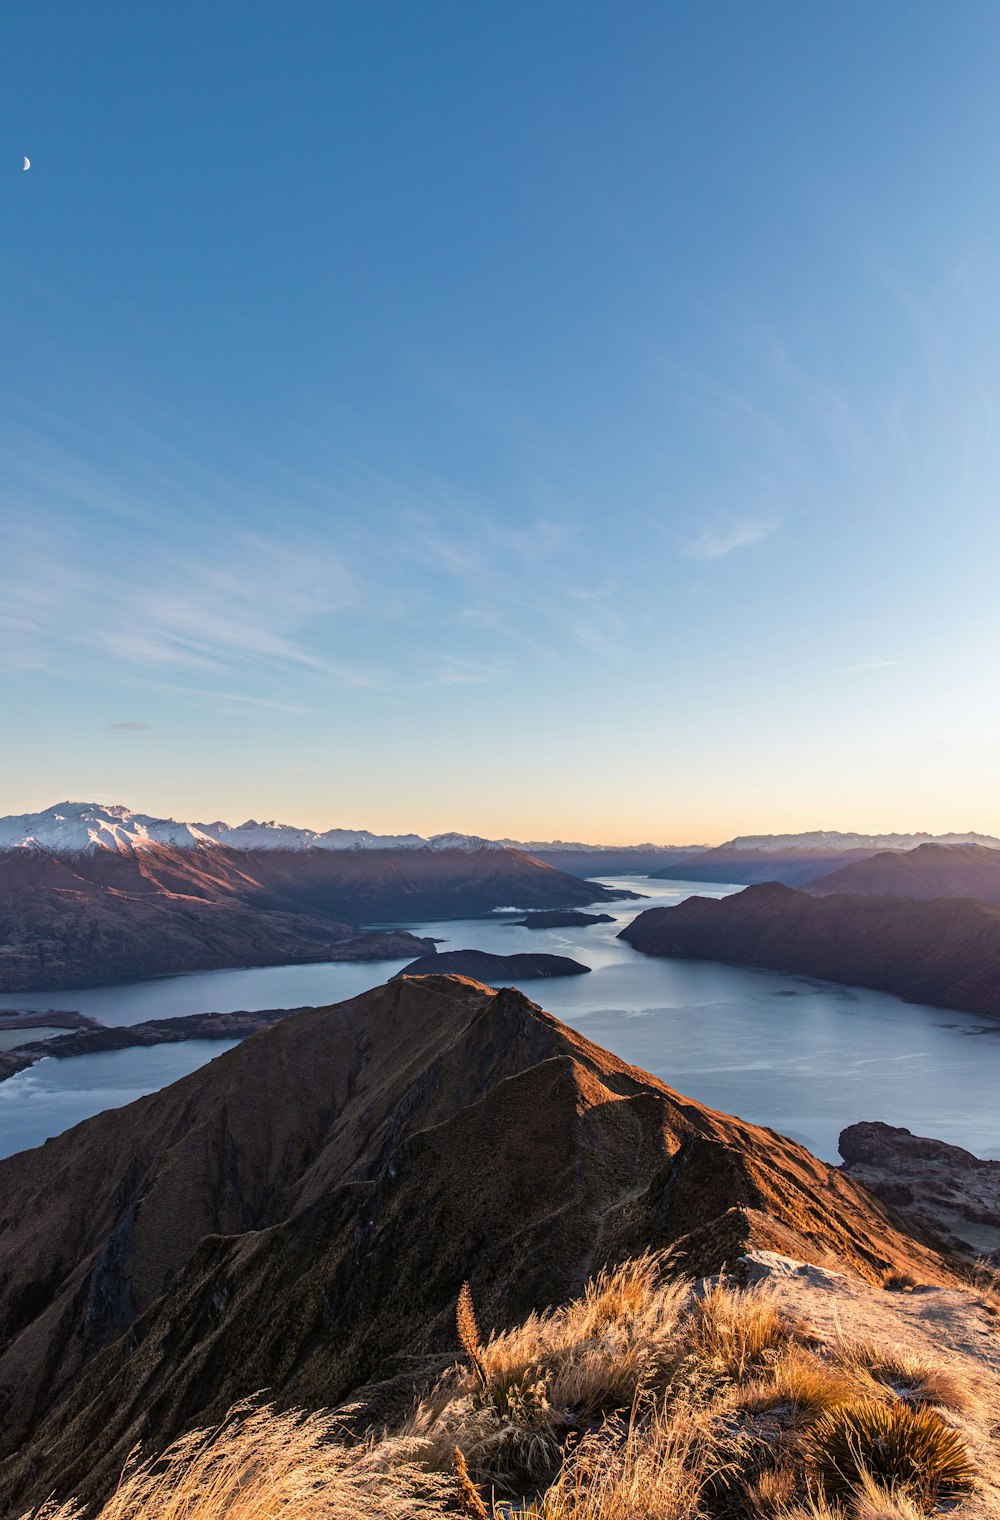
(895, 1445)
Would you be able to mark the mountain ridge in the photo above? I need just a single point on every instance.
(300, 1213)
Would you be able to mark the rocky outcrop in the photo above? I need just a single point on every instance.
(105, 916)
(554, 919)
(497, 970)
(299, 1214)
(938, 1187)
(946, 951)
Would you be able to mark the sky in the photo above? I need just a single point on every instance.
(541, 420)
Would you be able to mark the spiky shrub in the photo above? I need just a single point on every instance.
(895, 1445)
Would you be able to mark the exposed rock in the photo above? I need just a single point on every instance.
(555, 919)
(946, 951)
(939, 1187)
(299, 1214)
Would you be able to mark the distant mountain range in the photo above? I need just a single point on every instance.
(797, 859)
(120, 911)
(70, 827)
(931, 870)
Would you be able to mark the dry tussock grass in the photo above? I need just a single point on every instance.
(557, 1372)
(642, 1400)
(984, 1279)
(803, 1385)
(921, 1380)
(264, 1465)
(653, 1469)
(736, 1330)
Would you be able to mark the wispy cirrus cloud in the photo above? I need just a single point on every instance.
(131, 728)
(715, 540)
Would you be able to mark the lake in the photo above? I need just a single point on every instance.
(802, 1056)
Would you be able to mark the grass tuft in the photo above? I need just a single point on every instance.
(804, 1386)
(736, 1330)
(918, 1379)
(556, 1373)
(653, 1469)
(895, 1445)
(264, 1465)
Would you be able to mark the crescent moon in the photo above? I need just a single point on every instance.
(26, 164)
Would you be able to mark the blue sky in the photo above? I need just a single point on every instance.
(538, 419)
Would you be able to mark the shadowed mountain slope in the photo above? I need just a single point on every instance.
(796, 859)
(792, 866)
(300, 1213)
(944, 951)
(104, 914)
(931, 870)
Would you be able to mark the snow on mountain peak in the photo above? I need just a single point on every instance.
(71, 827)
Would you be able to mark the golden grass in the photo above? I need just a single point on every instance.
(984, 1278)
(771, 1491)
(919, 1379)
(261, 1464)
(803, 1384)
(736, 1330)
(873, 1501)
(643, 1399)
(555, 1373)
(653, 1469)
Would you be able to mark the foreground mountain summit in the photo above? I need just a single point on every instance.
(299, 1215)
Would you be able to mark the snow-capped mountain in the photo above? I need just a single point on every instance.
(71, 827)
(825, 839)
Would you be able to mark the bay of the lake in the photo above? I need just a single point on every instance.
(804, 1057)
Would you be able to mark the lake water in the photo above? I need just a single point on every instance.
(802, 1056)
